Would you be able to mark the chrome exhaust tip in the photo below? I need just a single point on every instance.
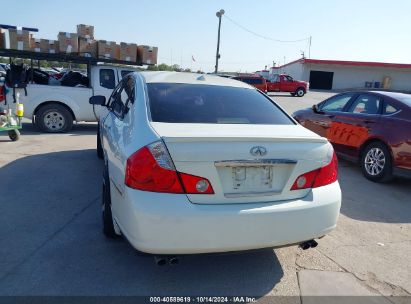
(308, 244)
(160, 261)
(173, 260)
(313, 243)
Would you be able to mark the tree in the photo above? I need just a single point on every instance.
(176, 68)
(164, 67)
(152, 68)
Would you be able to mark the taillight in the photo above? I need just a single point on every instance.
(2, 93)
(320, 177)
(151, 169)
(195, 184)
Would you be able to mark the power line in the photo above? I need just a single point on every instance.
(262, 36)
(165, 59)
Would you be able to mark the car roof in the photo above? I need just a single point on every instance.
(402, 98)
(192, 78)
(395, 95)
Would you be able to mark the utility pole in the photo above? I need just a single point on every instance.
(309, 48)
(219, 14)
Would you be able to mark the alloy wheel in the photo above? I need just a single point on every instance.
(374, 161)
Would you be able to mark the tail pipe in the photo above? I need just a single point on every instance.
(308, 244)
(160, 261)
(164, 260)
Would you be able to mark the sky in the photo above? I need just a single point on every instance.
(361, 30)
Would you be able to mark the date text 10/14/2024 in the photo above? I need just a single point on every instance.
(202, 299)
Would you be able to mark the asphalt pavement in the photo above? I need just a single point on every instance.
(51, 241)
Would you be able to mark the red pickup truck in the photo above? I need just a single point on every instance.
(285, 83)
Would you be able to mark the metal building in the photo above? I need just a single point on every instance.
(340, 75)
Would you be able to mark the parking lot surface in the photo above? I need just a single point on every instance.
(51, 241)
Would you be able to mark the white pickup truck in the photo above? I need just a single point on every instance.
(54, 108)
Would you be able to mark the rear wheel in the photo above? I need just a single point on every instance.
(300, 92)
(54, 118)
(14, 135)
(376, 163)
(108, 225)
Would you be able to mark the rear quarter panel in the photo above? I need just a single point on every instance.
(397, 134)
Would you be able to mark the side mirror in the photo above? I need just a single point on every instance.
(97, 100)
(316, 110)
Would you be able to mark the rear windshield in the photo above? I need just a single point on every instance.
(253, 80)
(192, 103)
(405, 99)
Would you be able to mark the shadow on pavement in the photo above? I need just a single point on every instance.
(78, 129)
(368, 201)
(51, 241)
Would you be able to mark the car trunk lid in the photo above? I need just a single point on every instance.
(244, 163)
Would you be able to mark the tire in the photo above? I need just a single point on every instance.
(54, 118)
(108, 225)
(100, 153)
(14, 135)
(376, 162)
(300, 92)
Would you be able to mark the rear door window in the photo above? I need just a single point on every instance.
(366, 104)
(115, 103)
(107, 79)
(191, 103)
(123, 97)
(130, 90)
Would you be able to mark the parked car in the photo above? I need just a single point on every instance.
(54, 108)
(372, 128)
(285, 83)
(198, 163)
(256, 81)
(3, 69)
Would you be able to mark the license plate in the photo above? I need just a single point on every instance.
(252, 178)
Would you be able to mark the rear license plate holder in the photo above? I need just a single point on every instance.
(256, 178)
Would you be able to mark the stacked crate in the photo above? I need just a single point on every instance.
(81, 43)
(87, 46)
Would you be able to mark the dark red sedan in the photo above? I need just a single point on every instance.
(369, 127)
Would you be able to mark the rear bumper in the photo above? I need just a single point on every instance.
(402, 172)
(169, 224)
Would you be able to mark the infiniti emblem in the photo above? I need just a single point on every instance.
(258, 151)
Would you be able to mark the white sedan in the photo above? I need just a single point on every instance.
(200, 163)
